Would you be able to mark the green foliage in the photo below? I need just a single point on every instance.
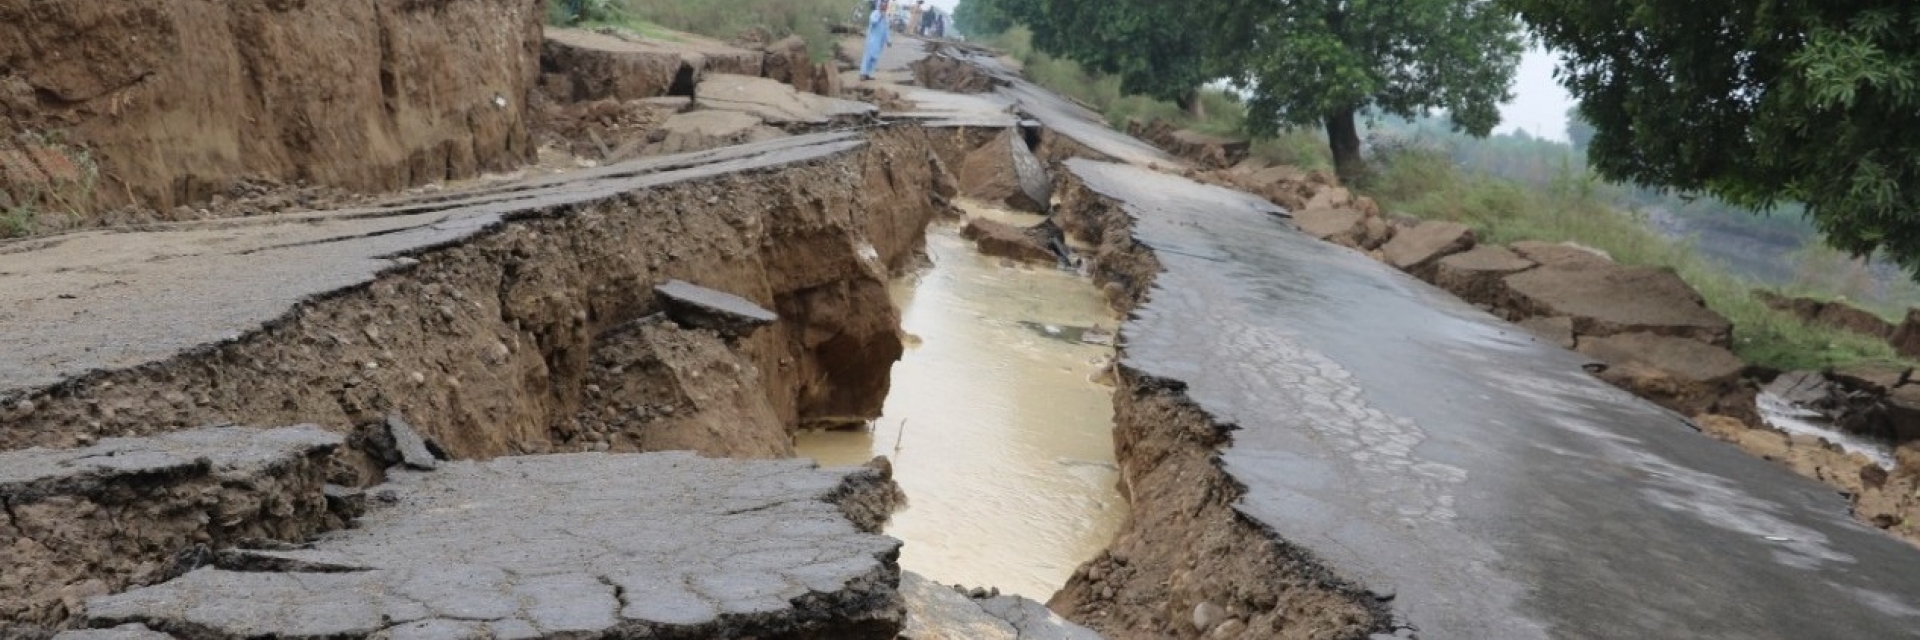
(727, 19)
(985, 18)
(18, 221)
(1313, 62)
(575, 12)
(1757, 101)
(1154, 47)
(1425, 182)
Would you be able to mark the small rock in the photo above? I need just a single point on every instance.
(1207, 615)
(1229, 629)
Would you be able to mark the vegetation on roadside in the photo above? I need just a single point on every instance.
(58, 203)
(1756, 101)
(1427, 183)
(1314, 63)
(719, 19)
(1512, 187)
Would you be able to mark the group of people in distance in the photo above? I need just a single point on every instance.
(881, 23)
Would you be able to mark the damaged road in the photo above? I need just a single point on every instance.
(1475, 482)
(646, 545)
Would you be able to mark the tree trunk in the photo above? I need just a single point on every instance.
(1344, 136)
(1196, 107)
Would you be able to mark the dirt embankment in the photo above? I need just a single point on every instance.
(1186, 564)
(488, 347)
(176, 101)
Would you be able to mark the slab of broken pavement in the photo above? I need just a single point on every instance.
(1475, 481)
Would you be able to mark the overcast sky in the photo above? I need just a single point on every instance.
(1539, 104)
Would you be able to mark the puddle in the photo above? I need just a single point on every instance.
(999, 437)
(1792, 418)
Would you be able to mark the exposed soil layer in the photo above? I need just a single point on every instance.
(176, 100)
(78, 523)
(1187, 564)
(487, 346)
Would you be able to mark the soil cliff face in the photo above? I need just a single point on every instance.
(176, 99)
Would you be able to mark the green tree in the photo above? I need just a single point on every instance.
(1756, 101)
(978, 18)
(1153, 46)
(1319, 62)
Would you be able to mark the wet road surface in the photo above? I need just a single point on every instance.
(1478, 476)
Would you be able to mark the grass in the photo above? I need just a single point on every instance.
(728, 19)
(55, 205)
(1428, 185)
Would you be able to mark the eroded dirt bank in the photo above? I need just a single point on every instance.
(1187, 564)
(177, 100)
(486, 346)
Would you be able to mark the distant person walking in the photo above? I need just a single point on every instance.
(913, 18)
(878, 32)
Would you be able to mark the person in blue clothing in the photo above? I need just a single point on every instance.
(878, 32)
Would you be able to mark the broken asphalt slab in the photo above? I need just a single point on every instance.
(112, 300)
(651, 545)
(1431, 451)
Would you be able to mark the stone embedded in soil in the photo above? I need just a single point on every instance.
(117, 511)
(695, 306)
(1479, 275)
(939, 612)
(1608, 299)
(1416, 250)
(1678, 373)
(1007, 241)
(559, 546)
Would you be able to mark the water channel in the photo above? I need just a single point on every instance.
(998, 429)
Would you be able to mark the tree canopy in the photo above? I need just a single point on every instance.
(1311, 62)
(1756, 101)
(1300, 62)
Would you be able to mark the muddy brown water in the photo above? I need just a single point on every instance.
(999, 433)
